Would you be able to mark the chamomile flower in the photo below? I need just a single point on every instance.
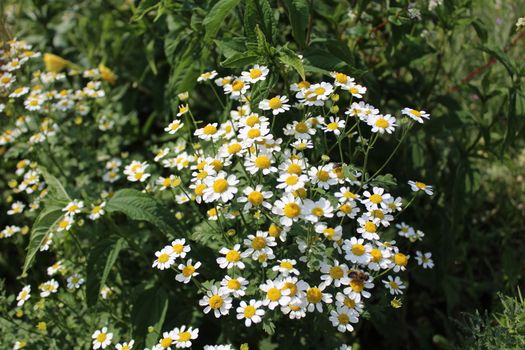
(65, 224)
(171, 181)
(34, 103)
(417, 186)
(261, 162)
(232, 258)
(208, 133)
(418, 116)
(97, 211)
(300, 130)
(335, 125)
(73, 207)
(344, 301)
(342, 80)
(375, 199)
(291, 182)
(220, 186)
(318, 210)
(356, 90)
(23, 295)
(178, 248)
(382, 123)
(6, 80)
(380, 258)
(358, 287)
(345, 195)
(167, 340)
(255, 197)
(323, 176)
(174, 126)
(236, 88)
(234, 286)
(218, 301)
(184, 336)
(276, 294)
(342, 319)
(331, 233)
(394, 285)
(356, 251)
(288, 208)
(400, 261)
(16, 208)
(165, 259)
(48, 288)
(255, 74)
(125, 345)
(315, 296)
(207, 76)
(286, 267)
(333, 273)
(251, 312)
(20, 91)
(276, 104)
(258, 244)
(188, 271)
(101, 338)
(75, 281)
(424, 259)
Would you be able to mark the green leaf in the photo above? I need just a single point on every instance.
(215, 18)
(268, 326)
(290, 58)
(44, 224)
(501, 57)
(55, 188)
(100, 261)
(298, 14)
(141, 206)
(241, 60)
(149, 310)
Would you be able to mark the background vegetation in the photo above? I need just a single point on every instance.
(462, 61)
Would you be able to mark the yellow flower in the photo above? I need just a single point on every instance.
(107, 74)
(54, 63)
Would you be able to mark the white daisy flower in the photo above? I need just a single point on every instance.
(255, 74)
(424, 259)
(251, 312)
(188, 271)
(286, 267)
(165, 259)
(276, 104)
(220, 186)
(382, 123)
(184, 336)
(101, 338)
(255, 198)
(416, 115)
(234, 286)
(218, 301)
(417, 186)
(23, 295)
(395, 285)
(288, 208)
(333, 273)
(232, 258)
(276, 295)
(342, 319)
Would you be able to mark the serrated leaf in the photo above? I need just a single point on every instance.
(215, 18)
(240, 60)
(56, 192)
(141, 206)
(268, 326)
(290, 58)
(101, 259)
(298, 14)
(44, 224)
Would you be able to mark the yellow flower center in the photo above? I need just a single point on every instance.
(184, 336)
(292, 180)
(187, 271)
(166, 342)
(63, 224)
(341, 78)
(101, 337)
(393, 285)
(254, 133)
(354, 90)
(336, 272)
(301, 127)
(329, 232)
(416, 113)
(255, 73)
(317, 211)
(319, 90)
(163, 258)
(199, 189)
(291, 210)
(358, 249)
(274, 230)
(233, 256)
(237, 85)
(215, 302)
(209, 129)
(343, 319)
(400, 259)
(255, 198)
(382, 123)
(291, 287)
(378, 214)
(258, 243)
(286, 265)
(376, 255)
(177, 248)
(357, 286)
(420, 185)
(314, 295)
(349, 303)
(303, 85)
(376, 198)
(234, 148)
(273, 294)
(275, 103)
(234, 284)
(262, 162)
(252, 120)
(220, 185)
(370, 227)
(332, 126)
(323, 175)
(249, 311)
